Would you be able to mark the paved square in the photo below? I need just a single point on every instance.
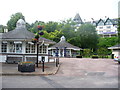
(73, 73)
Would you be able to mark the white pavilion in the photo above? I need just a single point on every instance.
(64, 49)
(16, 45)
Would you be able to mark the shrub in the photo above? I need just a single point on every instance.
(79, 56)
(94, 56)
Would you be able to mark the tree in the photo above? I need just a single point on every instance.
(74, 41)
(1, 28)
(33, 27)
(107, 42)
(51, 26)
(88, 37)
(55, 36)
(11, 24)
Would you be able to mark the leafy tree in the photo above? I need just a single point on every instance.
(107, 42)
(55, 36)
(88, 37)
(51, 26)
(11, 24)
(33, 27)
(74, 41)
(1, 28)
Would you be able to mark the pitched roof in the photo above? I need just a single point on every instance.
(18, 33)
(115, 47)
(21, 33)
(113, 21)
(47, 40)
(78, 19)
(62, 44)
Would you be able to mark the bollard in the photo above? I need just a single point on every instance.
(43, 60)
(56, 62)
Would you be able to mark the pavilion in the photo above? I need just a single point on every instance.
(16, 45)
(64, 49)
(115, 50)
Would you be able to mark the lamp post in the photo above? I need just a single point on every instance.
(36, 40)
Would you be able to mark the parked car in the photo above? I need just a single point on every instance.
(117, 58)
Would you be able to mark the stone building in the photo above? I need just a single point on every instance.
(16, 45)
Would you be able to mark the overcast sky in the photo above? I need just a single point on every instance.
(56, 10)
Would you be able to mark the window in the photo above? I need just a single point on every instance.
(108, 31)
(100, 31)
(42, 49)
(30, 48)
(100, 27)
(4, 47)
(12, 47)
(15, 47)
(108, 27)
(18, 48)
(27, 48)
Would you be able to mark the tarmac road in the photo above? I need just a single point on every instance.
(73, 73)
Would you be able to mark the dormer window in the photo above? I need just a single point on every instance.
(108, 22)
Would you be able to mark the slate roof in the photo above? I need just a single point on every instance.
(113, 21)
(63, 44)
(78, 19)
(21, 33)
(18, 33)
(115, 47)
(47, 40)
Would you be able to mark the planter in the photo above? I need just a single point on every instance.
(26, 67)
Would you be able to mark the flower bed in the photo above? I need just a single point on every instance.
(26, 67)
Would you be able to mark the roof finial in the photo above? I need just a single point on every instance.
(62, 39)
(20, 23)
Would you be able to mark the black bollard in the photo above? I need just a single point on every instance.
(56, 62)
(43, 60)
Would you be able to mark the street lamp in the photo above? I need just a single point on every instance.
(36, 40)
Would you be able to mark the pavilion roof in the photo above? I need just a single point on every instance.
(21, 33)
(18, 33)
(63, 44)
(115, 47)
